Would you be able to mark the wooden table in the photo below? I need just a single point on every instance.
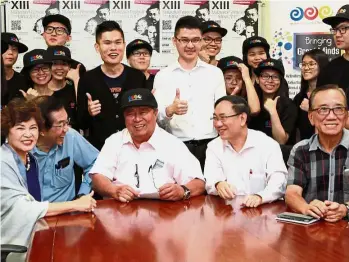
(204, 229)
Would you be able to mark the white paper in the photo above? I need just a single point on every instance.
(154, 195)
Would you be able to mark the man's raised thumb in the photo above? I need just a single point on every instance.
(178, 94)
(89, 97)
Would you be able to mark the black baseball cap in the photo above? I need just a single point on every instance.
(270, 63)
(255, 41)
(60, 53)
(229, 62)
(33, 58)
(12, 39)
(341, 16)
(137, 44)
(138, 97)
(57, 18)
(212, 26)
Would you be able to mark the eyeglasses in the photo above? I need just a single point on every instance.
(223, 119)
(229, 80)
(139, 54)
(272, 77)
(62, 124)
(59, 30)
(309, 65)
(208, 40)
(324, 111)
(44, 69)
(61, 63)
(342, 30)
(186, 41)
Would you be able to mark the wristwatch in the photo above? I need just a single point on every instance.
(186, 194)
(347, 206)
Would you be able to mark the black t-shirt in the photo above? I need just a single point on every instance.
(306, 130)
(115, 85)
(336, 72)
(16, 83)
(150, 82)
(67, 96)
(287, 113)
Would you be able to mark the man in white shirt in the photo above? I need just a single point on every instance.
(144, 160)
(187, 90)
(243, 161)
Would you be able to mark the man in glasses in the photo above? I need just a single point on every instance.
(186, 90)
(318, 174)
(212, 34)
(143, 160)
(138, 53)
(242, 161)
(58, 148)
(57, 32)
(336, 72)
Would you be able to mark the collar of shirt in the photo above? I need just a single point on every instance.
(314, 143)
(250, 142)
(154, 140)
(39, 152)
(199, 63)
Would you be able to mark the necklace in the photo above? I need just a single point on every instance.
(27, 164)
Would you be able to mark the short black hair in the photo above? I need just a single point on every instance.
(188, 22)
(154, 6)
(108, 26)
(239, 105)
(203, 6)
(48, 105)
(253, 6)
(104, 6)
(325, 88)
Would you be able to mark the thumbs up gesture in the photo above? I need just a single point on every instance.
(30, 94)
(178, 107)
(94, 106)
(270, 105)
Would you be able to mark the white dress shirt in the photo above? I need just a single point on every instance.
(162, 159)
(257, 169)
(201, 87)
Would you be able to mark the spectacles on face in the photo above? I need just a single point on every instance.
(44, 69)
(139, 54)
(59, 30)
(223, 119)
(209, 40)
(186, 41)
(229, 79)
(266, 77)
(310, 65)
(62, 124)
(60, 63)
(342, 30)
(324, 111)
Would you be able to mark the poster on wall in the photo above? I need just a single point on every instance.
(149, 20)
(299, 29)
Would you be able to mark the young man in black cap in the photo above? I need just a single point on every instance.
(15, 81)
(212, 34)
(63, 89)
(336, 72)
(57, 32)
(138, 54)
(238, 82)
(99, 89)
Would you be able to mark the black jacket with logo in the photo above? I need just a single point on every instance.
(110, 120)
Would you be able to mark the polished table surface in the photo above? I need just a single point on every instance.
(202, 229)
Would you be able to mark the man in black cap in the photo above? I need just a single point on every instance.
(238, 82)
(15, 81)
(57, 32)
(336, 72)
(142, 149)
(212, 34)
(138, 53)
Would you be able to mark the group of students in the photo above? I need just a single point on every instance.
(199, 125)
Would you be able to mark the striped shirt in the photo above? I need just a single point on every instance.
(322, 175)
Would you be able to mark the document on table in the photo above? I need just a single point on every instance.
(151, 195)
